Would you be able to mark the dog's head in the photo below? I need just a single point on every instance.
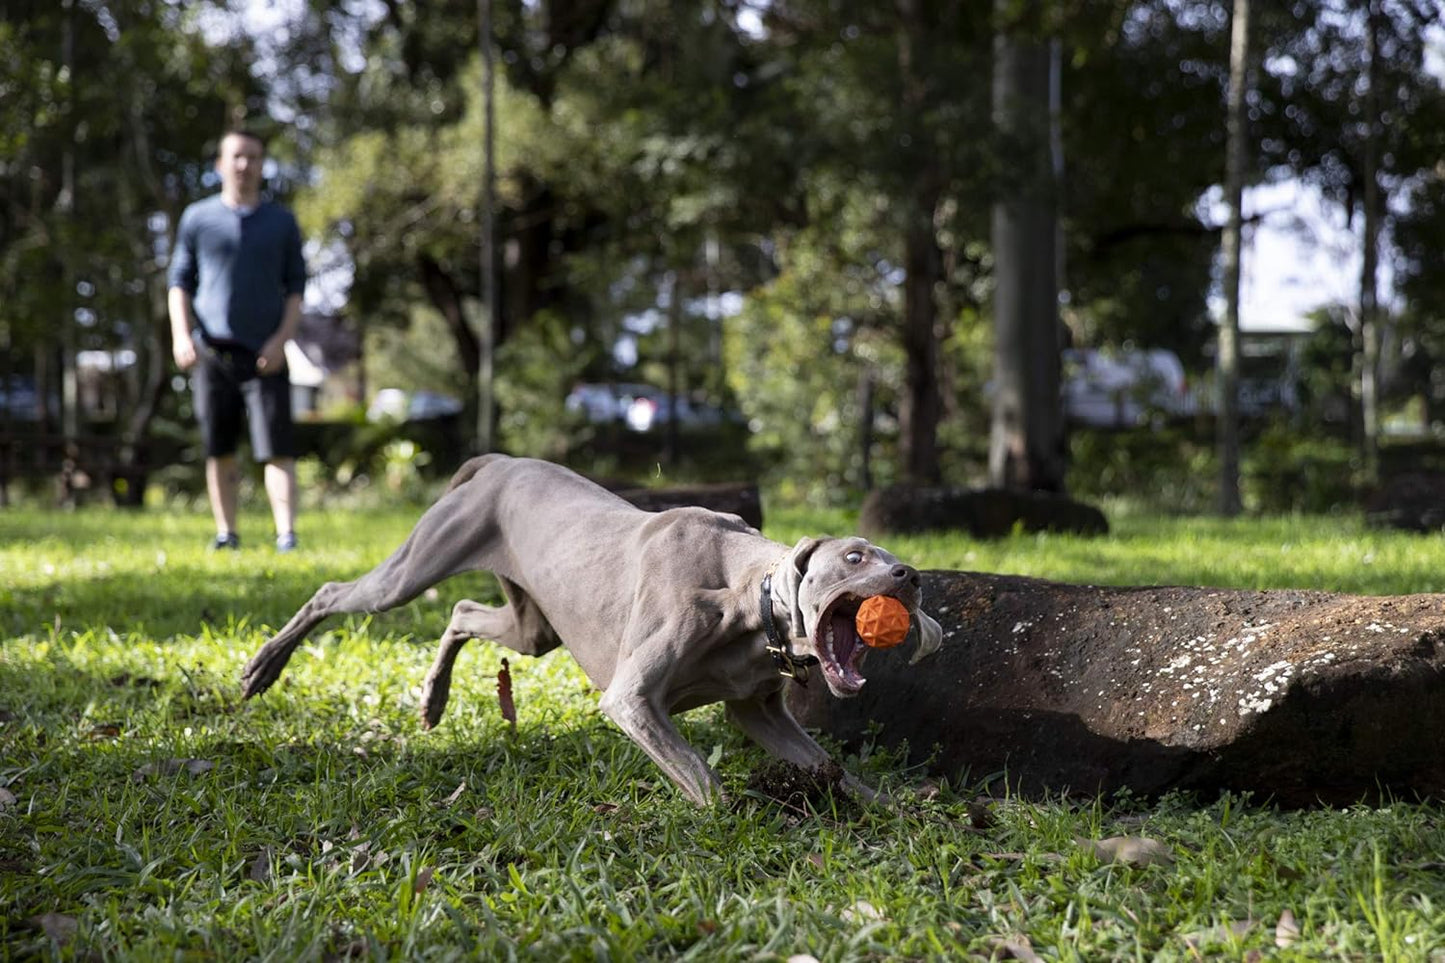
(822, 581)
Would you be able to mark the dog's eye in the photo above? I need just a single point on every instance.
(854, 558)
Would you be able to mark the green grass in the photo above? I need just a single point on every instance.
(156, 817)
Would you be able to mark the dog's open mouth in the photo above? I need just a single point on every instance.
(839, 649)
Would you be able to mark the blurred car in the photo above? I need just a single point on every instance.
(649, 411)
(19, 400)
(1121, 389)
(601, 404)
(640, 407)
(397, 405)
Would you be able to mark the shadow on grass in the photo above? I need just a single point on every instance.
(184, 602)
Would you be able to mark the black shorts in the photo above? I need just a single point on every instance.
(227, 390)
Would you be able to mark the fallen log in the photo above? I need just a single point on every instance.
(1296, 697)
(735, 498)
(982, 512)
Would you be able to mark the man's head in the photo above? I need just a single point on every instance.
(239, 160)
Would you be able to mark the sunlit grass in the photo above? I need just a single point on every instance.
(151, 815)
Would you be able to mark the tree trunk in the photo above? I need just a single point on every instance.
(441, 289)
(1227, 357)
(1369, 363)
(922, 264)
(920, 413)
(487, 316)
(1026, 446)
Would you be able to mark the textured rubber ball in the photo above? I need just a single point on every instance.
(882, 621)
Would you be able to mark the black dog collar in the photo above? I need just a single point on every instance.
(790, 666)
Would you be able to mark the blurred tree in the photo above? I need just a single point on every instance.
(895, 104)
(108, 112)
(1026, 441)
(631, 135)
(1143, 90)
(1237, 147)
(1347, 104)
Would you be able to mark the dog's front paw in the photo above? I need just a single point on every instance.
(263, 669)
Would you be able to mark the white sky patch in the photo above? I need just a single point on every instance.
(1298, 257)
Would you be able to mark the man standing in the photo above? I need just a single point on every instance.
(236, 280)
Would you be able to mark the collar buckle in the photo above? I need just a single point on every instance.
(789, 664)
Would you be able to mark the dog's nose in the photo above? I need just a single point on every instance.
(905, 573)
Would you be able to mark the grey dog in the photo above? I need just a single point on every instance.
(664, 611)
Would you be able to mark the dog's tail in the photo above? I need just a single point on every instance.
(470, 467)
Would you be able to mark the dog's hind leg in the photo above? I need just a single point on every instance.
(437, 548)
(519, 625)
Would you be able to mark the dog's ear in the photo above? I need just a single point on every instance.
(930, 637)
(791, 572)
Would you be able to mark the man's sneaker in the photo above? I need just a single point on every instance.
(286, 543)
(229, 540)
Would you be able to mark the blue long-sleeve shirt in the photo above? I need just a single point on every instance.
(239, 269)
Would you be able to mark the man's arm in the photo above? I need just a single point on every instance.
(293, 282)
(273, 353)
(183, 349)
(182, 276)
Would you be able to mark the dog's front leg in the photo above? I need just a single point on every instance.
(650, 728)
(767, 721)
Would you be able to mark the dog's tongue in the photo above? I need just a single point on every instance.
(846, 648)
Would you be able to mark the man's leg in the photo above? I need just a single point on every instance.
(223, 480)
(273, 442)
(218, 409)
(281, 490)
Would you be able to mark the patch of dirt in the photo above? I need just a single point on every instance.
(814, 791)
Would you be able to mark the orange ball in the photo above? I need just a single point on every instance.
(882, 621)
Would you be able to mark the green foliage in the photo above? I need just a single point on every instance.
(1176, 469)
(807, 412)
(539, 366)
(151, 815)
(1171, 470)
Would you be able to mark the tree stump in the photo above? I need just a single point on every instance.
(983, 513)
(1414, 502)
(1297, 697)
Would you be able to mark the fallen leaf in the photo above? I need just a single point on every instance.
(57, 926)
(108, 730)
(980, 816)
(261, 866)
(171, 767)
(817, 860)
(1014, 948)
(1286, 931)
(423, 879)
(862, 912)
(7, 799)
(504, 693)
(355, 947)
(360, 857)
(603, 809)
(1020, 857)
(1130, 851)
(1218, 934)
(456, 794)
